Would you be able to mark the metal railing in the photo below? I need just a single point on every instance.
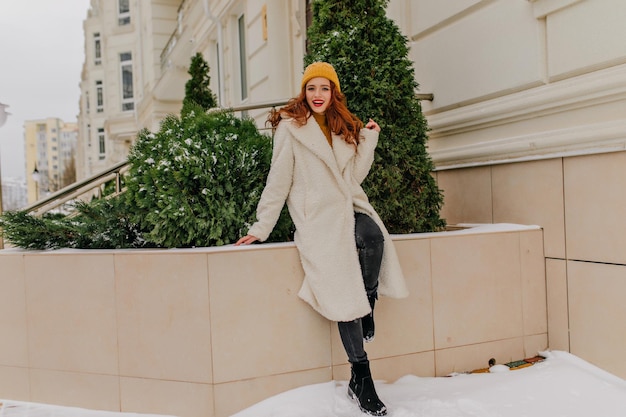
(93, 186)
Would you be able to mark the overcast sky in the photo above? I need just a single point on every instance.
(41, 58)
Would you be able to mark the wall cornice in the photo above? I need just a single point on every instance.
(597, 138)
(586, 91)
(542, 8)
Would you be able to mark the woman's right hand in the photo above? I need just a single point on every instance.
(246, 240)
(371, 124)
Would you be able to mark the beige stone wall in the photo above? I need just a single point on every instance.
(210, 331)
(579, 202)
(518, 80)
(529, 126)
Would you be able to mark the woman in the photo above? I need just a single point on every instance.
(321, 155)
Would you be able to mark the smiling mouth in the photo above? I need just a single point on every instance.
(318, 103)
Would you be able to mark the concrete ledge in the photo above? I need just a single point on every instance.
(210, 331)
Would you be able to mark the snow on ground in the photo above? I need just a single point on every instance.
(561, 386)
(9, 408)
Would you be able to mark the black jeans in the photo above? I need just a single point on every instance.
(369, 242)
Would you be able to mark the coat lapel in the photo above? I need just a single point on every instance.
(336, 158)
(343, 152)
(311, 136)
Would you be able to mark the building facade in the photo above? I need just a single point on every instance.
(528, 120)
(528, 125)
(50, 155)
(138, 54)
(111, 83)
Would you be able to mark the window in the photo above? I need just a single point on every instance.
(308, 7)
(123, 12)
(242, 58)
(97, 47)
(219, 72)
(101, 143)
(99, 97)
(126, 62)
(87, 102)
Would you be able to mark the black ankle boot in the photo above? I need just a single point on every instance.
(361, 389)
(367, 322)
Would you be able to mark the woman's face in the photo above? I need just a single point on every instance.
(318, 94)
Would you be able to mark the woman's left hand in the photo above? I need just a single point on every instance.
(372, 125)
(246, 240)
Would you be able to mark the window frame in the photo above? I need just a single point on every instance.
(99, 96)
(101, 143)
(123, 12)
(97, 48)
(243, 62)
(127, 93)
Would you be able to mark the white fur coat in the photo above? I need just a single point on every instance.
(322, 188)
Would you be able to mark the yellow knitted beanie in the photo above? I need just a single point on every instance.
(320, 69)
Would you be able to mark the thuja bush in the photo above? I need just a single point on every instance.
(370, 55)
(98, 224)
(197, 181)
(197, 88)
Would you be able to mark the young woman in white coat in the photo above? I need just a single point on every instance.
(322, 153)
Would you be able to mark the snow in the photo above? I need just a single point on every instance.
(27, 409)
(470, 228)
(561, 386)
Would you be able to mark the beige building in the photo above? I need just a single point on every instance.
(529, 126)
(138, 54)
(49, 153)
(109, 85)
(528, 118)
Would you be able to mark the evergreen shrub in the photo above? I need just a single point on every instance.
(198, 87)
(198, 180)
(99, 224)
(370, 55)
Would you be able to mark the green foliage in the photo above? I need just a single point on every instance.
(198, 180)
(99, 224)
(370, 55)
(197, 88)
(30, 232)
(106, 223)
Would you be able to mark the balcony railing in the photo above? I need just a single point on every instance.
(173, 40)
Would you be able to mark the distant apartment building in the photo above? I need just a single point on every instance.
(50, 152)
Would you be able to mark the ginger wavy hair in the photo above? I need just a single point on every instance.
(340, 120)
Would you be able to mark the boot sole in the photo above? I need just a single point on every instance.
(354, 398)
